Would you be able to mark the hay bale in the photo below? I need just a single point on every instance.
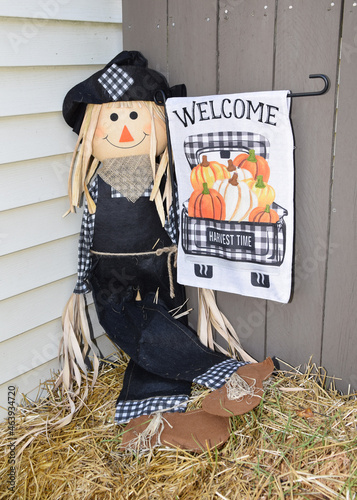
(300, 442)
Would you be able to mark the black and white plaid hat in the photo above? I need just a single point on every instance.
(125, 78)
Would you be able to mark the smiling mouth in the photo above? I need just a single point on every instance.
(125, 147)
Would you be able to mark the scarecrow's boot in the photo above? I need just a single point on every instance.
(242, 392)
(193, 431)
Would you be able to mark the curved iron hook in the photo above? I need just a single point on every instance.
(317, 92)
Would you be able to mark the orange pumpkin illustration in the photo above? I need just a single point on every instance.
(266, 215)
(257, 165)
(206, 204)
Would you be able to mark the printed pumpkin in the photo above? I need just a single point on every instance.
(206, 203)
(209, 172)
(257, 165)
(266, 215)
(264, 193)
(239, 199)
(243, 173)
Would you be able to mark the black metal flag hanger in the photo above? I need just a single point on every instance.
(317, 92)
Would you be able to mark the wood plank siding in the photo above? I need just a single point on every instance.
(46, 47)
(239, 45)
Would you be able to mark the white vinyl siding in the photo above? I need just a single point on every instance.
(46, 47)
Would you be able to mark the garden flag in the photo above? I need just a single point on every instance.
(233, 158)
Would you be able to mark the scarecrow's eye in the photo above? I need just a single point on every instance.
(114, 117)
(133, 115)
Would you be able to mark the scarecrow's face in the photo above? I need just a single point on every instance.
(126, 131)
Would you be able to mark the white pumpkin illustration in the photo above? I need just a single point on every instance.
(243, 173)
(239, 199)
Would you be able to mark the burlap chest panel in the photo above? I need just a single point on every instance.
(131, 175)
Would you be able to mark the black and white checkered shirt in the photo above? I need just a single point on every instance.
(87, 231)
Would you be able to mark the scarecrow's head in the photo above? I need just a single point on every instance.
(117, 112)
(128, 129)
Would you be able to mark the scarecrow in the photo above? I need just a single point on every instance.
(127, 252)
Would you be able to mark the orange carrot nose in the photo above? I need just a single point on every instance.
(125, 135)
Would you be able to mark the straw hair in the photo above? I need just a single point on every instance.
(274, 452)
(82, 159)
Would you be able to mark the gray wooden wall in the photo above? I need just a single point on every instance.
(222, 46)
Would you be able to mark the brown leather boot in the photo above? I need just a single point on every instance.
(194, 431)
(242, 392)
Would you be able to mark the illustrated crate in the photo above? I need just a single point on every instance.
(236, 241)
(244, 241)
